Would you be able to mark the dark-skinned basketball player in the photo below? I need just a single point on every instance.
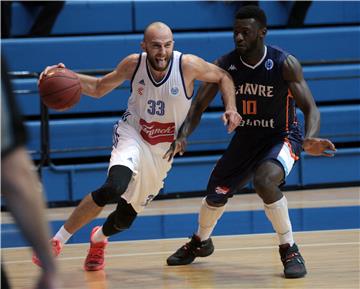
(268, 82)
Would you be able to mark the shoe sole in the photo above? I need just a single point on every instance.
(294, 276)
(89, 269)
(183, 264)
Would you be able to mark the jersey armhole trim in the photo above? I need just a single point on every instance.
(182, 78)
(136, 69)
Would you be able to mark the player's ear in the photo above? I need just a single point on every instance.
(143, 45)
(263, 32)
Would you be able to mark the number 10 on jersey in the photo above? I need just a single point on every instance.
(249, 107)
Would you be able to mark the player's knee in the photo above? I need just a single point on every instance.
(267, 188)
(115, 185)
(107, 194)
(215, 200)
(217, 196)
(119, 220)
(262, 184)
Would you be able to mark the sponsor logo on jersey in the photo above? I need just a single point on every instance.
(222, 190)
(140, 90)
(142, 82)
(269, 64)
(232, 67)
(255, 89)
(157, 132)
(258, 123)
(174, 91)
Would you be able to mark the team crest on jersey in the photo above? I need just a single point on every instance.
(174, 91)
(269, 64)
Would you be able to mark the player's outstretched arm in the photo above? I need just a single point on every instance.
(214, 78)
(313, 145)
(97, 87)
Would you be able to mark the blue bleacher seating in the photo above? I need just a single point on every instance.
(190, 174)
(105, 52)
(77, 137)
(330, 56)
(327, 83)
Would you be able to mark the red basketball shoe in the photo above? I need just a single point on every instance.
(56, 249)
(95, 258)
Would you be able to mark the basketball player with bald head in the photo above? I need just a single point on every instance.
(162, 85)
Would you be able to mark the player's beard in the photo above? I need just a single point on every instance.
(155, 66)
(248, 49)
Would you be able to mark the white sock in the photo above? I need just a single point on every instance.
(98, 236)
(278, 214)
(62, 235)
(208, 218)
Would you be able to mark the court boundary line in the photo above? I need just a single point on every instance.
(214, 237)
(218, 250)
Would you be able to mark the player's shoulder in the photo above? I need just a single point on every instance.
(128, 65)
(132, 59)
(189, 58)
(129, 62)
(282, 55)
(191, 62)
(227, 58)
(276, 50)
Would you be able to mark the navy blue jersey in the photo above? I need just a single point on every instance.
(262, 95)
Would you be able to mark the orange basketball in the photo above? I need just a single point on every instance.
(60, 89)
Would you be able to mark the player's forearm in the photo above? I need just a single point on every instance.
(228, 93)
(204, 96)
(90, 85)
(312, 123)
(191, 122)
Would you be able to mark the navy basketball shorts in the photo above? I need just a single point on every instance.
(244, 154)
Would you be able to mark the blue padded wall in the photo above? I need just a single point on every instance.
(344, 167)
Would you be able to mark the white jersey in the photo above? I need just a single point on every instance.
(158, 109)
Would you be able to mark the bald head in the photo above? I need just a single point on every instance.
(157, 30)
(158, 43)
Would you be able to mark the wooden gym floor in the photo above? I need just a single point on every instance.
(239, 261)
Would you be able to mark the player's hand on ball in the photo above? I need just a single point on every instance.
(177, 146)
(59, 87)
(319, 147)
(48, 68)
